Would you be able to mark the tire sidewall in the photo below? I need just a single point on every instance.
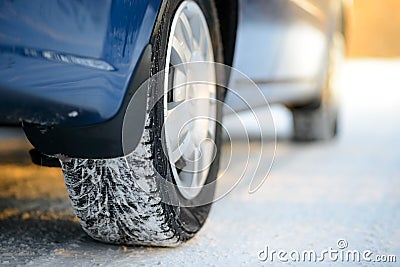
(189, 215)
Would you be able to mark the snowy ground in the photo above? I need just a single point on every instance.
(315, 195)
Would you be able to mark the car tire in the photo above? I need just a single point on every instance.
(318, 120)
(123, 200)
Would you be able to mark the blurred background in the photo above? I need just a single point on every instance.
(373, 28)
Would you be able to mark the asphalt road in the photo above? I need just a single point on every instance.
(317, 194)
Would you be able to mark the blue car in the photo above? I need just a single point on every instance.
(108, 91)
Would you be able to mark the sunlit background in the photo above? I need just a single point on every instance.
(373, 28)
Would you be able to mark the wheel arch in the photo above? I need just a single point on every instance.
(228, 20)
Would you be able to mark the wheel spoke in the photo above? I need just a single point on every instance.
(180, 75)
(180, 53)
(183, 150)
(179, 87)
(196, 173)
(202, 40)
(186, 27)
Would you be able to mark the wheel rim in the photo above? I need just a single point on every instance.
(190, 107)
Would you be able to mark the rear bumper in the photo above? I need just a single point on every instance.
(68, 68)
(101, 140)
(52, 94)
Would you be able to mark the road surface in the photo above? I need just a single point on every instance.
(341, 195)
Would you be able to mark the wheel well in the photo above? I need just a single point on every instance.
(228, 18)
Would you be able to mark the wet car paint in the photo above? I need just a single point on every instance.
(69, 62)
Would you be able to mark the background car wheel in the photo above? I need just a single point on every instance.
(318, 120)
(315, 124)
(122, 200)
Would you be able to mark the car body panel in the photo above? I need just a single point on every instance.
(69, 63)
(283, 47)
